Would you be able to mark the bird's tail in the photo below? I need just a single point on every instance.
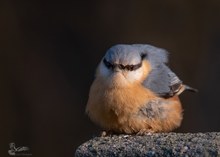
(191, 89)
(186, 87)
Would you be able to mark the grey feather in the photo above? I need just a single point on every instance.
(161, 79)
(123, 54)
(154, 109)
(155, 56)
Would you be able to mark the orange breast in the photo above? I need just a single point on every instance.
(112, 107)
(116, 106)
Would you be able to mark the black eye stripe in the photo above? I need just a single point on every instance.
(121, 66)
(108, 64)
(133, 67)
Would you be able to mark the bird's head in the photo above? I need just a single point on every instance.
(123, 65)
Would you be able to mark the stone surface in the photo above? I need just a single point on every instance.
(153, 145)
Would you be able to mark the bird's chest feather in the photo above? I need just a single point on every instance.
(116, 103)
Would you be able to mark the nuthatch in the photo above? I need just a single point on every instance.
(134, 91)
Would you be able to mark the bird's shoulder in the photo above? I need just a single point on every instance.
(161, 79)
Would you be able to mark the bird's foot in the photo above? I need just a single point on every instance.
(143, 132)
(106, 133)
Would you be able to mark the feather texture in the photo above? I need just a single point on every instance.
(161, 80)
(135, 91)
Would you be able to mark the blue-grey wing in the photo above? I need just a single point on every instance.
(162, 81)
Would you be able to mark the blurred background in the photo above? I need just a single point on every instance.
(49, 52)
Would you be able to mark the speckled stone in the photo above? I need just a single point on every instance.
(153, 145)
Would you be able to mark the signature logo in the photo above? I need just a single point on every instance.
(18, 151)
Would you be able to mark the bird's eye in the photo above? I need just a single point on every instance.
(143, 55)
(108, 64)
(133, 67)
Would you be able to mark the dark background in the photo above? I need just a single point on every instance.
(49, 52)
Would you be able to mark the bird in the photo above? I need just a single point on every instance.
(135, 92)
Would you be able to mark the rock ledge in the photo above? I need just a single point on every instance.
(153, 145)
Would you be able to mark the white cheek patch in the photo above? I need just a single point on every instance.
(136, 75)
(125, 77)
